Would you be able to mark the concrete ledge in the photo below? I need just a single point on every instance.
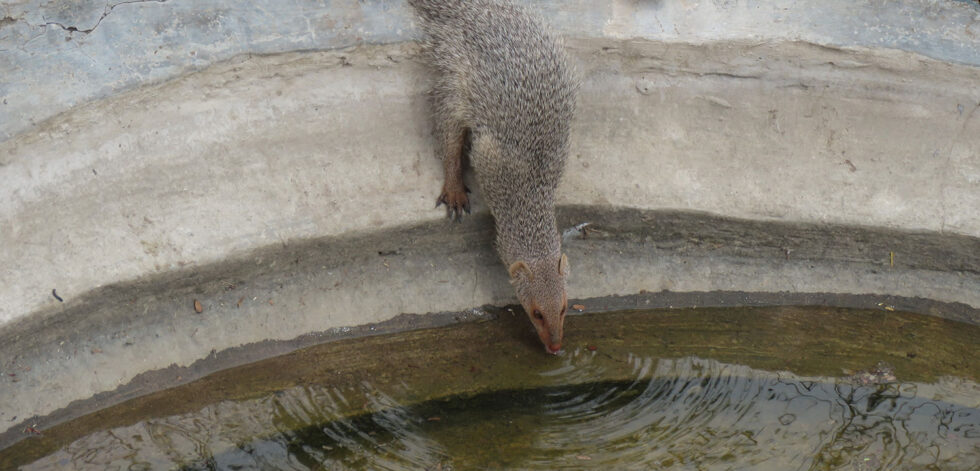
(266, 150)
(102, 343)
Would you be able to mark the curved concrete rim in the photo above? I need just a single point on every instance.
(128, 340)
(257, 151)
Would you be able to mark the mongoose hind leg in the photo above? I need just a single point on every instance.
(454, 191)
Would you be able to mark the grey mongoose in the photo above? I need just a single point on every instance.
(505, 90)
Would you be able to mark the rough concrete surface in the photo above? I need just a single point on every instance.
(56, 54)
(270, 149)
(292, 192)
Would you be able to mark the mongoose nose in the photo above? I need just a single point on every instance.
(553, 349)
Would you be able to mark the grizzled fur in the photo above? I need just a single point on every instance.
(505, 81)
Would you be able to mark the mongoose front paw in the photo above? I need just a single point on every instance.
(456, 202)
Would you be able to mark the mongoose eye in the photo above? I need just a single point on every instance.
(537, 315)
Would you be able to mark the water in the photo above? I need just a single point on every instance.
(610, 402)
(688, 414)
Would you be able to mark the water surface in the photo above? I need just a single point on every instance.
(703, 389)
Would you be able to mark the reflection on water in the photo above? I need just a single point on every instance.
(687, 413)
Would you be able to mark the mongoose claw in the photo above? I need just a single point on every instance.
(456, 202)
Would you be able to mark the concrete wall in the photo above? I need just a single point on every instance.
(845, 112)
(152, 153)
(58, 54)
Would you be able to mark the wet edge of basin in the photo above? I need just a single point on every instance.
(498, 353)
(732, 250)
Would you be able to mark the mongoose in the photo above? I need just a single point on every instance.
(505, 90)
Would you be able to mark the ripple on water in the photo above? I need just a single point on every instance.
(687, 413)
(704, 414)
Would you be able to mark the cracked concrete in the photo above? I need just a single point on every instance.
(75, 9)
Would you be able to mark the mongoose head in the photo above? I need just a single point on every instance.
(540, 286)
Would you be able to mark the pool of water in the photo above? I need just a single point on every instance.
(699, 389)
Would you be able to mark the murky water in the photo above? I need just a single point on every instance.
(615, 405)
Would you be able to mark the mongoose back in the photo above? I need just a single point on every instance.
(504, 85)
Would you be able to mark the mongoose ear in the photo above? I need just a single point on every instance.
(563, 267)
(518, 267)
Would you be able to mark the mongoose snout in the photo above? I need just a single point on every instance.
(540, 287)
(504, 89)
